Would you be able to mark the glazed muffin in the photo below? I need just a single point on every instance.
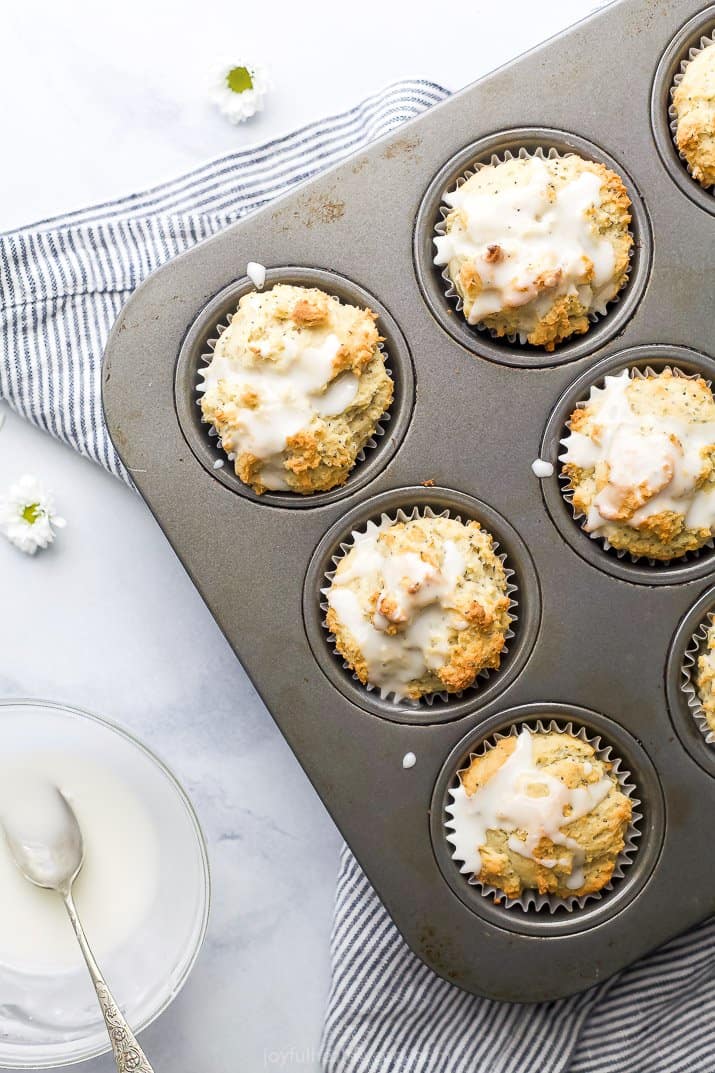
(419, 606)
(694, 107)
(640, 463)
(295, 388)
(535, 246)
(705, 677)
(539, 811)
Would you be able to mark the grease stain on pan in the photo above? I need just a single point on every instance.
(640, 22)
(440, 952)
(313, 209)
(403, 147)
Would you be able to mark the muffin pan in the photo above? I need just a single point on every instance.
(599, 640)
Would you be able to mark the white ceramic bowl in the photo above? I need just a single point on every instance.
(51, 1019)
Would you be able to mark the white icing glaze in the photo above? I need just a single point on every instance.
(34, 818)
(415, 597)
(661, 456)
(120, 871)
(257, 274)
(536, 235)
(528, 803)
(541, 468)
(291, 386)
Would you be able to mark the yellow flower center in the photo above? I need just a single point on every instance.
(239, 79)
(31, 513)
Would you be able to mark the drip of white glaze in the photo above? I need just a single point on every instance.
(257, 274)
(541, 469)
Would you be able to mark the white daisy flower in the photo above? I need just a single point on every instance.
(27, 515)
(238, 90)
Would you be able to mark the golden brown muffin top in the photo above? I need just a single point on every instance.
(419, 606)
(539, 811)
(534, 246)
(694, 104)
(640, 460)
(295, 388)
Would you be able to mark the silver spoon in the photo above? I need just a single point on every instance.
(46, 841)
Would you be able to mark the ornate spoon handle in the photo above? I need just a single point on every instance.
(128, 1055)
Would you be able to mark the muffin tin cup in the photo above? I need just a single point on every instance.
(437, 286)
(697, 33)
(523, 591)
(693, 51)
(568, 491)
(429, 699)
(596, 549)
(224, 457)
(197, 349)
(440, 229)
(533, 913)
(685, 710)
(688, 670)
(531, 900)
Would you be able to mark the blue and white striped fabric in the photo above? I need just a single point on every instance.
(388, 1013)
(63, 283)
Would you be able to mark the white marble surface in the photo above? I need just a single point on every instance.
(107, 99)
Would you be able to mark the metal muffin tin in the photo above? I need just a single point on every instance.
(599, 639)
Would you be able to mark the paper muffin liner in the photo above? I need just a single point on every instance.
(223, 456)
(451, 292)
(442, 696)
(693, 51)
(567, 491)
(531, 900)
(688, 670)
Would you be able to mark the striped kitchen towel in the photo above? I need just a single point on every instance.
(62, 283)
(64, 280)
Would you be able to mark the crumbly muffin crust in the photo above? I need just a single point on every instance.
(640, 462)
(694, 104)
(705, 677)
(420, 606)
(525, 838)
(296, 387)
(533, 246)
